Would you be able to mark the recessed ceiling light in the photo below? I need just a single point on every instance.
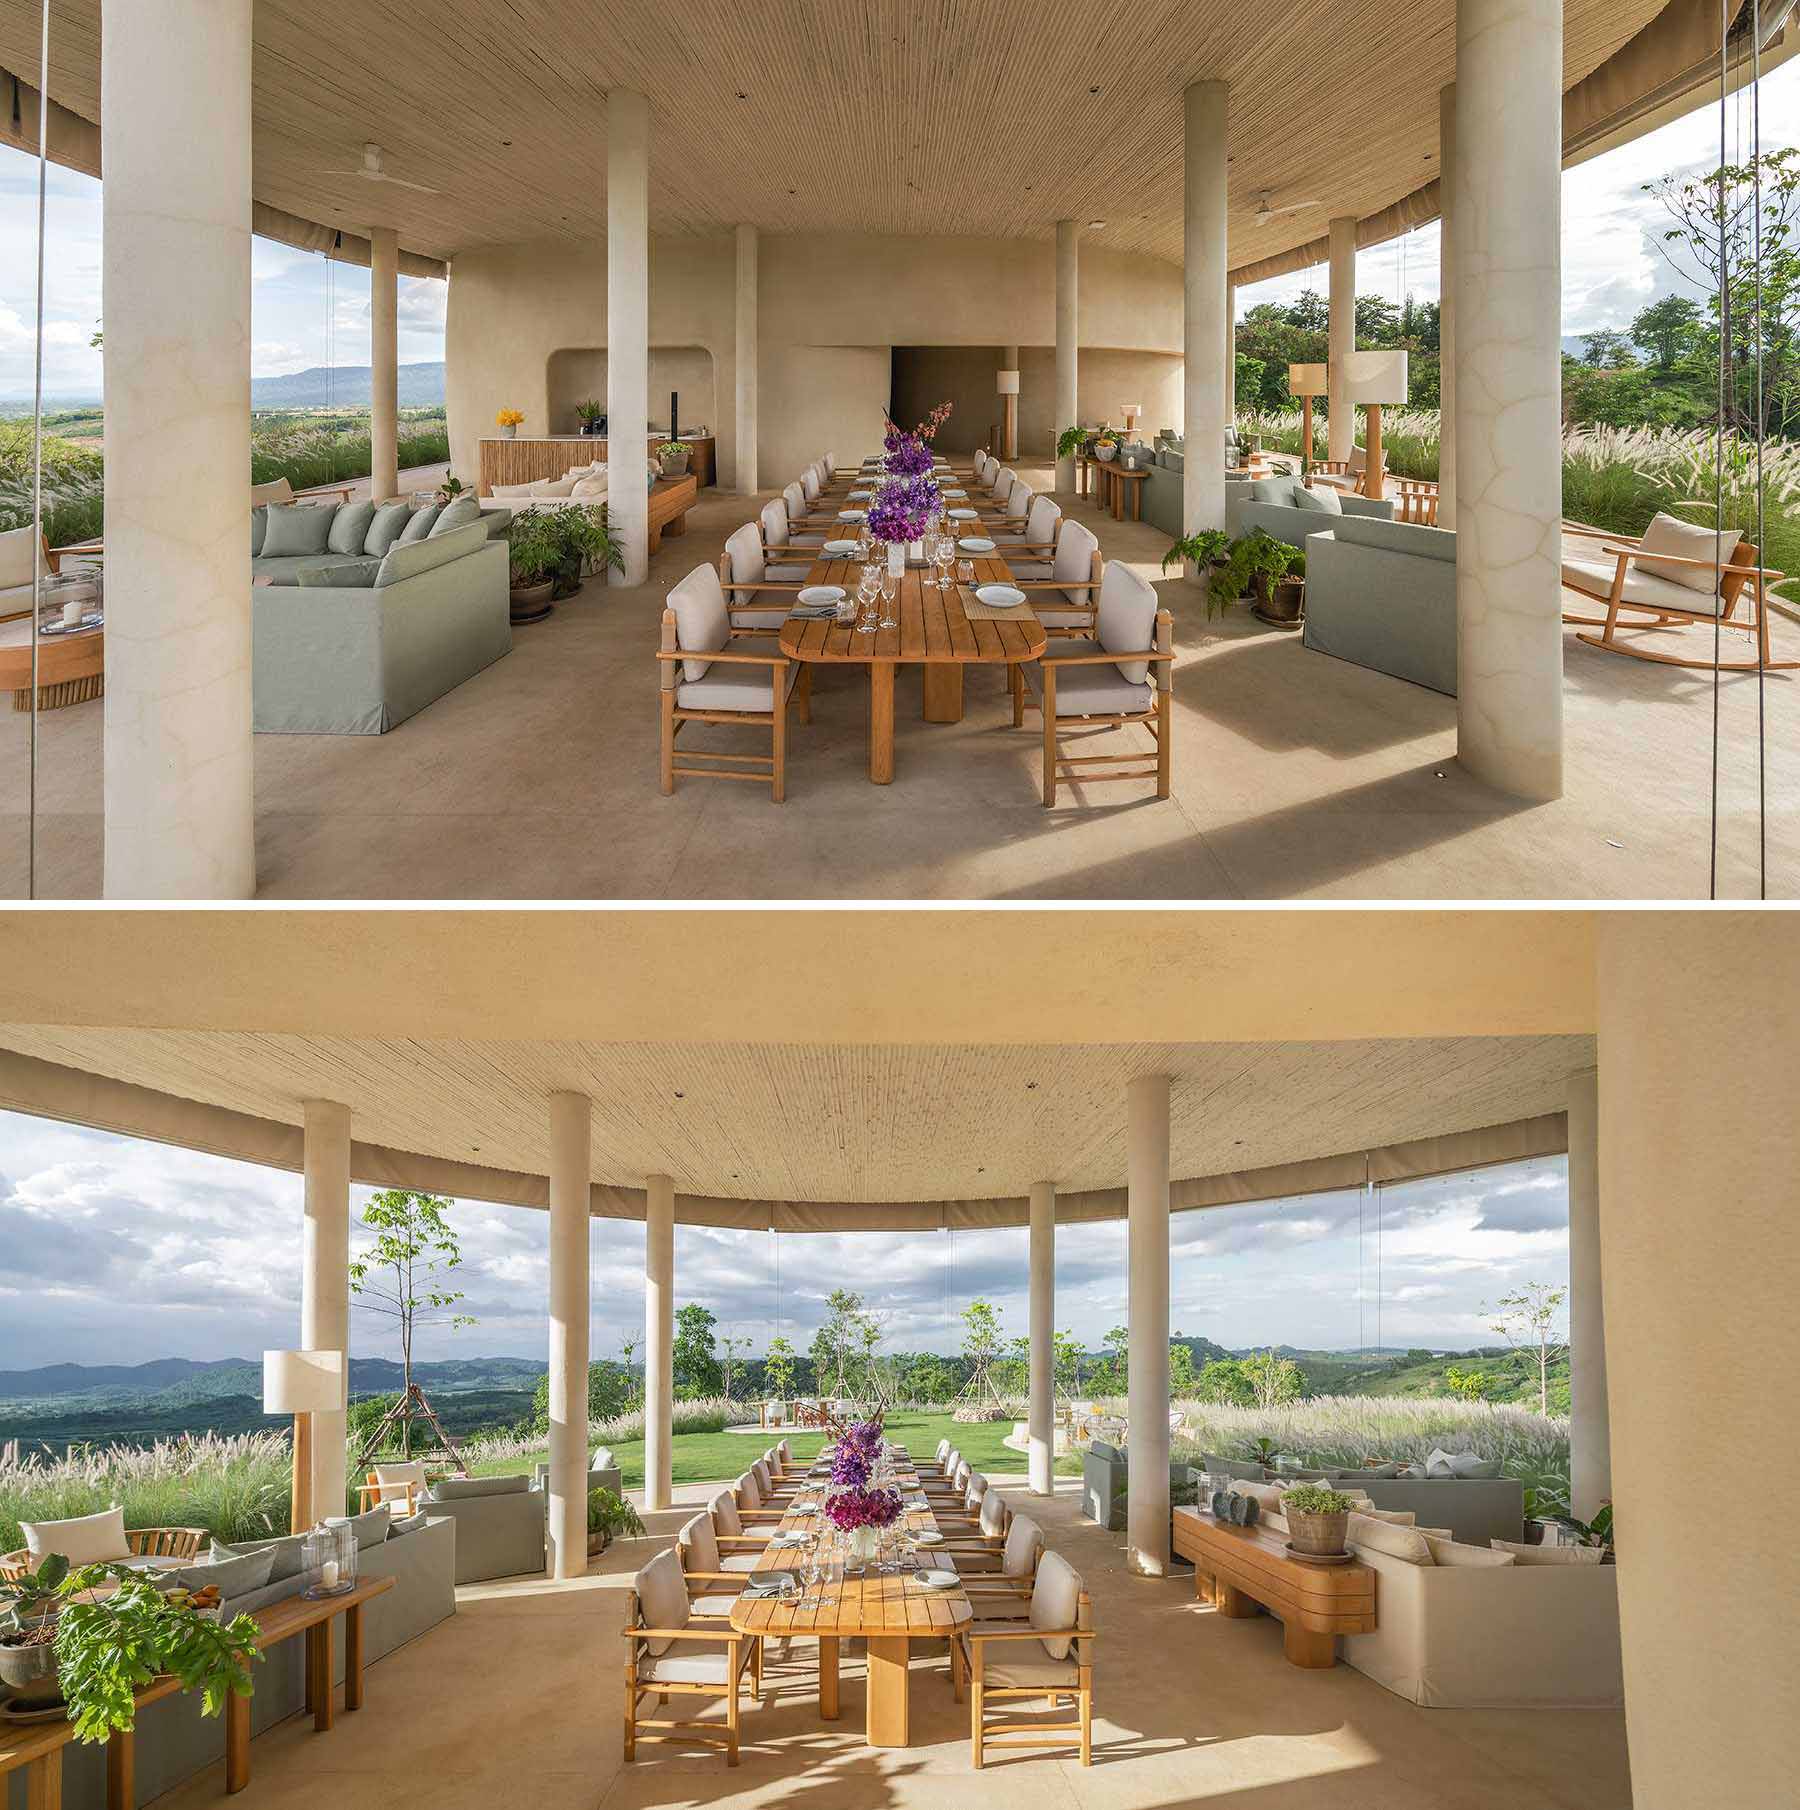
(742, 95)
(1094, 225)
(1093, 90)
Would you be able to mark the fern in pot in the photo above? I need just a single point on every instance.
(535, 554)
(610, 1518)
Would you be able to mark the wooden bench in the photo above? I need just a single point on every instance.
(38, 1748)
(1246, 1570)
(669, 503)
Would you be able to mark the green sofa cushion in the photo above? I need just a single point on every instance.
(455, 515)
(386, 527)
(1272, 490)
(409, 558)
(497, 521)
(297, 528)
(1323, 501)
(1398, 537)
(287, 571)
(259, 528)
(421, 523)
(464, 1489)
(350, 528)
(345, 574)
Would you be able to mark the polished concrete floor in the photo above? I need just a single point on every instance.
(1295, 775)
(518, 1699)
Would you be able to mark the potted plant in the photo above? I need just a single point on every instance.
(28, 1634)
(1070, 441)
(610, 1518)
(589, 414)
(535, 553)
(1318, 1517)
(508, 421)
(1281, 592)
(451, 488)
(583, 536)
(109, 1646)
(1597, 1532)
(1262, 1451)
(1256, 562)
(1203, 549)
(673, 456)
(1106, 445)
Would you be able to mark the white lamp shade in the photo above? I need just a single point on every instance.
(1309, 380)
(1133, 409)
(304, 1382)
(1006, 383)
(1375, 376)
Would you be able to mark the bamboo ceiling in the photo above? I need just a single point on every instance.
(986, 117)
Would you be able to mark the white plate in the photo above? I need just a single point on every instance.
(787, 1539)
(822, 593)
(938, 1580)
(949, 492)
(1000, 596)
(928, 1539)
(975, 543)
(861, 496)
(840, 546)
(850, 515)
(962, 515)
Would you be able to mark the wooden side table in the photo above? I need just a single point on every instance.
(1126, 483)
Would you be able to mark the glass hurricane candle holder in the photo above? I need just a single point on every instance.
(328, 1559)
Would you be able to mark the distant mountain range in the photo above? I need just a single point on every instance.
(345, 386)
(169, 1381)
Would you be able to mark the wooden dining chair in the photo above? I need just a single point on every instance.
(1065, 598)
(1049, 1656)
(1029, 555)
(755, 598)
(1121, 677)
(712, 674)
(671, 1652)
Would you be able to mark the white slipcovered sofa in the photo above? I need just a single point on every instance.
(579, 484)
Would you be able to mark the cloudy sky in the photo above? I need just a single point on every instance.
(1611, 264)
(116, 1251)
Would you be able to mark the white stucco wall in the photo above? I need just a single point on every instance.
(832, 307)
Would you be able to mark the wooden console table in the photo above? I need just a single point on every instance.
(526, 458)
(1245, 1570)
(38, 1747)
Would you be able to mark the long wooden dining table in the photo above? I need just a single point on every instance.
(888, 1613)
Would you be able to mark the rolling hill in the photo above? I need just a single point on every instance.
(345, 386)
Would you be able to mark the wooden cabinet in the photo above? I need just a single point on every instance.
(525, 461)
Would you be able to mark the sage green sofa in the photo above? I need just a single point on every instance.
(1268, 503)
(356, 644)
(1383, 595)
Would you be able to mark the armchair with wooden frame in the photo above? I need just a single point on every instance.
(999, 1581)
(1636, 599)
(705, 679)
(1348, 474)
(757, 600)
(1089, 687)
(1031, 553)
(671, 1652)
(735, 1540)
(982, 1529)
(714, 1581)
(141, 1543)
(1050, 1655)
(401, 1486)
(1065, 599)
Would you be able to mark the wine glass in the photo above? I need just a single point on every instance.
(867, 588)
(890, 589)
(943, 553)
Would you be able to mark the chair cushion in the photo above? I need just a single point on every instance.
(468, 1489)
(1549, 1555)
(691, 1662)
(1126, 619)
(1323, 500)
(588, 490)
(372, 1526)
(715, 1607)
(385, 527)
(349, 528)
(726, 1519)
(1088, 690)
(786, 575)
(737, 1561)
(701, 623)
(993, 1514)
(454, 515)
(744, 549)
(1686, 540)
(1594, 572)
(408, 559)
(420, 524)
(233, 1573)
(341, 575)
(1272, 490)
(277, 490)
(297, 528)
(1014, 1664)
(702, 1544)
(391, 1480)
(552, 487)
(763, 609)
(1056, 1601)
(82, 1539)
(730, 686)
(287, 1553)
(259, 528)
(1024, 1546)
(663, 1598)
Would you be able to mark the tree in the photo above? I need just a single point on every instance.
(1527, 1320)
(402, 1274)
(930, 1378)
(1181, 1370)
(1223, 1380)
(1669, 330)
(1470, 1385)
(1065, 1362)
(835, 1344)
(627, 1351)
(1310, 312)
(610, 1393)
(1607, 350)
(778, 1368)
(730, 1344)
(1272, 1380)
(695, 1365)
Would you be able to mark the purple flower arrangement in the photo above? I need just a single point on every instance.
(851, 1509)
(852, 1503)
(903, 508)
(907, 456)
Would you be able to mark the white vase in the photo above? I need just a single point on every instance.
(915, 551)
(896, 558)
(865, 1544)
(509, 431)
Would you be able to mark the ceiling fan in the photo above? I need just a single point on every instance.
(1265, 212)
(371, 169)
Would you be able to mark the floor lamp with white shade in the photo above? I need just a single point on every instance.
(1006, 386)
(1374, 379)
(303, 1383)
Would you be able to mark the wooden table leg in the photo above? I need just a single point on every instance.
(318, 1663)
(43, 1782)
(121, 1770)
(881, 722)
(890, 1702)
(1118, 499)
(943, 691)
(1137, 502)
(1234, 1605)
(828, 1678)
(237, 1741)
(353, 1657)
(1316, 1652)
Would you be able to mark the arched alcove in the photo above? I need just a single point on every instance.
(575, 374)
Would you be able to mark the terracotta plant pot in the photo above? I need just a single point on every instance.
(1320, 1534)
(1284, 605)
(598, 1543)
(28, 1673)
(674, 465)
(532, 602)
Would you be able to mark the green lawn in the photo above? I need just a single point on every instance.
(718, 1457)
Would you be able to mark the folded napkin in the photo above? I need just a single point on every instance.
(814, 612)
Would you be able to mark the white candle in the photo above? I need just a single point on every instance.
(328, 1575)
(72, 613)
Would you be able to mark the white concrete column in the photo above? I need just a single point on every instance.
(1446, 307)
(1068, 339)
(659, 1338)
(747, 295)
(1206, 410)
(1147, 1219)
(325, 1279)
(628, 328)
(571, 1134)
(1340, 427)
(1231, 352)
(384, 363)
(1701, 1260)
(1041, 1427)
(1590, 1439)
(175, 287)
(1507, 203)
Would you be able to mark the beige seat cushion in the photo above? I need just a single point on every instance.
(714, 1607)
(692, 1662)
(1015, 1664)
(701, 623)
(700, 1540)
(1087, 690)
(1593, 572)
(737, 1561)
(391, 1480)
(725, 1516)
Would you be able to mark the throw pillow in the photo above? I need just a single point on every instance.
(1406, 1543)
(259, 528)
(234, 1574)
(1439, 1463)
(551, 487)
(458, 514)
(462, 1489)
(1686, 540)
(1473, 1558)
(589, 490)
(423, 520)
(1395, 1517)
(1272, 490)
(1466, 1464)
(1323, 500)
(350, 576)
(386, 527)
(350, 528)
(295, 529)
(287, 1553)
(371, 1528)
(405, 1524)
(1550, 1555)
(82, 1540)
(509, 490)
